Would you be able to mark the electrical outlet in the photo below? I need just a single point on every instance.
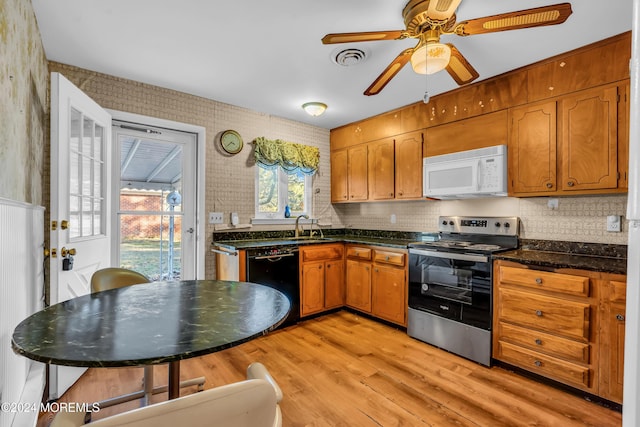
(215, 217)
(234, 218)
(393, 218)
(613, 223)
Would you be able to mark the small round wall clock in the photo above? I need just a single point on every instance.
(231, 141)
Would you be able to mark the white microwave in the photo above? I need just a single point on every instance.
(466, 174)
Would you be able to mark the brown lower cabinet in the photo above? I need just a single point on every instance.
(566, 325)
(321, 278)
(376, 281)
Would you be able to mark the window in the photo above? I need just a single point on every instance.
(275, 190)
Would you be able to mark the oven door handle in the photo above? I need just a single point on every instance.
(450, 255)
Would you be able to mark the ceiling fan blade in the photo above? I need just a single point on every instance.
(459, 68)
(442, 9)
(392, 69)
(362, 37)
(536, 17)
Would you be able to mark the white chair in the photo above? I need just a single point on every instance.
(250, 403)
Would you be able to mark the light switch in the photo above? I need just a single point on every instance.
(234, 218)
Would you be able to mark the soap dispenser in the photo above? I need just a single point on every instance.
(287, 211)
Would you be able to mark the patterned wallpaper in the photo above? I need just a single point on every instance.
(23, 104)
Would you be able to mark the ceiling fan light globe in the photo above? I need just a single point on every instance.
(438, 58)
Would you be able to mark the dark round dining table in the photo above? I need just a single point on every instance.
(150, 324)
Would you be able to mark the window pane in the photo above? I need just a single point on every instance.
(267, 190)
(97, 217)
(86, 176)
(97, 143)
(74, 173)
(295, 192)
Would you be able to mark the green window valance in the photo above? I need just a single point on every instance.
(291, 157)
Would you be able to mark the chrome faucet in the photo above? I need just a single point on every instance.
(297, 231)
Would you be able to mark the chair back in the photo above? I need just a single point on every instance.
(246, 403)
(113, 277)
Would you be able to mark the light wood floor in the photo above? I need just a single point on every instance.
(345, 370)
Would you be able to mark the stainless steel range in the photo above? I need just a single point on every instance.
(450, 284)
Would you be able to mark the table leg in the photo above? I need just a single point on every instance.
(174, 379)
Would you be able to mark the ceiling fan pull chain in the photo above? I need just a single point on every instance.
(426, 97)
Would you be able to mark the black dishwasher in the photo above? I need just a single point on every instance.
(277, 267)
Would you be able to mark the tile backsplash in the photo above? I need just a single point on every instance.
(576, 219)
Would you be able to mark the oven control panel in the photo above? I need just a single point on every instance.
(506, 226)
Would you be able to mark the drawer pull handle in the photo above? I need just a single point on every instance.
(539, 313)
(620, 317)
(570, 183)
(386, 258)
(538, 341)
(537, 363)
(539, 280)
(549, 185)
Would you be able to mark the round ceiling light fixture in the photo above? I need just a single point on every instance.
(314, 108)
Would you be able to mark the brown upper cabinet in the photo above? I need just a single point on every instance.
(468, 134)
(387, 169)
(569, 145)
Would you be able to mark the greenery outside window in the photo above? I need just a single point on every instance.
(283, 178)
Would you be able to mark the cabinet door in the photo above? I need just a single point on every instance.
(334, 284)
(409, 166)
(590, 140)
(339, 188)
(357, 173)
(312, 288)
(388, 293)
(612, 342)
(358, 284)
(381, 169)
(532, 149)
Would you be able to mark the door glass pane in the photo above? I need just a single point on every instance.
(86, 175)
(86, 222)
(74, 131)
(151, 245)
(74, 216)
(97, 143)
(150, 211)
(74, 173)
(87, 137)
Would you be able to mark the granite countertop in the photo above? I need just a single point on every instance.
(235, 241)
(584, 256)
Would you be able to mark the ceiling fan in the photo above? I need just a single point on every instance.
(427, 20)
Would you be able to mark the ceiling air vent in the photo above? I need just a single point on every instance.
(348, 57)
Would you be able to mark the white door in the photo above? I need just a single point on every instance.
(80, 201)
(154, 181)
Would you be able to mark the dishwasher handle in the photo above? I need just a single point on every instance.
(224, 251)
(273, 257)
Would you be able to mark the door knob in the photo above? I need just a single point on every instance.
(64, 252)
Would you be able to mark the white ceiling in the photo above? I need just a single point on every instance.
(267, 56)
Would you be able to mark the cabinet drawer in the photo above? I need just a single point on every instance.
(543, 280)
(549, 344)
(557, 316)
(359, 252)
(322, 252)
(388, 257)
(548, 366)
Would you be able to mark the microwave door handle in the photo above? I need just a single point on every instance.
(479, 175)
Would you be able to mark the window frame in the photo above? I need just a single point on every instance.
(283, 188)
